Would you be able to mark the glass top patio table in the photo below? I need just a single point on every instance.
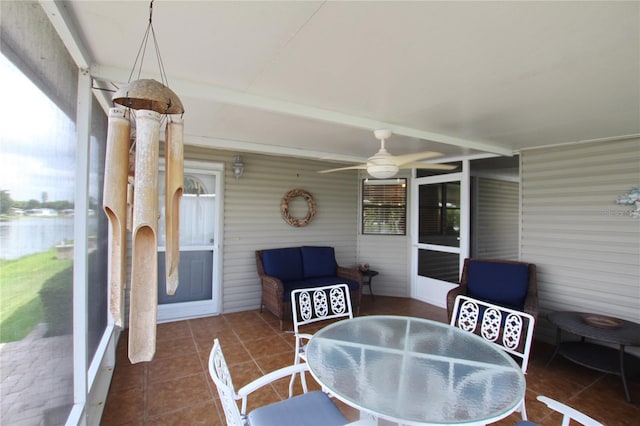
(415, 371)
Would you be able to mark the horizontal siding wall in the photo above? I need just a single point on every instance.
(586, 246)
(388, 254)
(252, 219)
(496, 218)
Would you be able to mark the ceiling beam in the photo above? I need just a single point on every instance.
(59, 17)
(241, 146)
(201, 90)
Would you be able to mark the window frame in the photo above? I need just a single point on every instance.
(388, 203)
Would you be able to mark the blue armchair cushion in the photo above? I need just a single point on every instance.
(318, 262)
(504, 284)
(283, 263)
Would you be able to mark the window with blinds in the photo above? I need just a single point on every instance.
(384, 207)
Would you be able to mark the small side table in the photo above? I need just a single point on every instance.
(598, 357)
(369, 274)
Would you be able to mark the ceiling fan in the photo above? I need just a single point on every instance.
(383, 165)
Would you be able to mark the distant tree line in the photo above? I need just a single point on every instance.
(7, 203)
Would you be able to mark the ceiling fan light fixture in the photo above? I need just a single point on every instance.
(382, 171)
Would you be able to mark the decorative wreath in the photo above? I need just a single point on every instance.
(284, 207)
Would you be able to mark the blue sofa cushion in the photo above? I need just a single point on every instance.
(283, 263)
(321, 281)
(504, 284)
(318, 262)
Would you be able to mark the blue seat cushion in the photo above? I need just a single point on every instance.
(283, 263)
(318, 261)
(504, 284)
(289, 286)
(309, 409)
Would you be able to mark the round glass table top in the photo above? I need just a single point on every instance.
(415, 371)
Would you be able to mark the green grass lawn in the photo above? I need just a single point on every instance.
(20, 283)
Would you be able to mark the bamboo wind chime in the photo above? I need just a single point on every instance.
(131, 202)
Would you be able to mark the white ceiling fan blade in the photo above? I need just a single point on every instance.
(432, 166)
(358, 167)
(409, 158)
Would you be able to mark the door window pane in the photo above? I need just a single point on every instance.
(194, 274)
(197, 210)
(439, 214)
(438, 265)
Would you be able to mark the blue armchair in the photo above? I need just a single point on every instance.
(506, 283)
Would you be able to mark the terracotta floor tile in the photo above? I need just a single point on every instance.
(247, 332)
(204, 343)
(205, 414)
(128, 376)
(268, 346)
(175, 388)
(174, 347)
(234, 354)
(244, 373)
(275, 361)
(124, 407)
(273, 321)
(172, 330)
(178, 394)
(216, 323)
(245, 318)
(164, 369)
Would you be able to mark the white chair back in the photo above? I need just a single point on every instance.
(510, 329)
(320, 303)
(219, 372)
(315, 304)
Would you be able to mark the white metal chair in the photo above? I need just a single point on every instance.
(511, 330)
(312, 305)
(567, 412)
(308, 409)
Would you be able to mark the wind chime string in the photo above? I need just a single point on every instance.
(143, 48)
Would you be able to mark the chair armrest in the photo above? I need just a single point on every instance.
(531, 299)
(272, 283)
(568, 412)
(268, 378)
(305, 336)
(272, 296)
(531, 305)
(352, 274)
(272, 377)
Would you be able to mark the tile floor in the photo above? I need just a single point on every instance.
(175, 388)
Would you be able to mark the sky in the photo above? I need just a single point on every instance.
(37, 141)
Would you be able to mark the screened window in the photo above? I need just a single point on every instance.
(384, 207)
(38, 151)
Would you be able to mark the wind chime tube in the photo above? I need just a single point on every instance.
(143, 308)
(174, 182)
(114, 203)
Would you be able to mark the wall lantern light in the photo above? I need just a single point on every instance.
(238, 167)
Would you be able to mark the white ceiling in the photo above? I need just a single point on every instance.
(314, 79)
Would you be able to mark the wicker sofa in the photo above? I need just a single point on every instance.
(282, 270)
